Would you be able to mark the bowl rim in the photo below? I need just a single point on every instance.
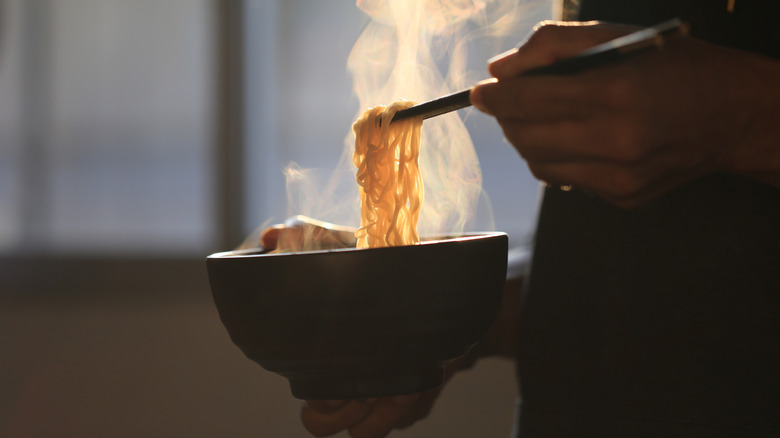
(429, 240)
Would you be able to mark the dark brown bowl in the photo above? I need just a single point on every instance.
(353, 323)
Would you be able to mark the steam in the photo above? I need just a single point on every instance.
(418, 50)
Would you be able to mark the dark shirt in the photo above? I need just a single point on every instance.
(662, 321)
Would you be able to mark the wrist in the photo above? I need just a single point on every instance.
(756, 151)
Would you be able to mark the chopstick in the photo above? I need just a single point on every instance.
(649, 38)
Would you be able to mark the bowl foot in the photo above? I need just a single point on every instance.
(363, 385)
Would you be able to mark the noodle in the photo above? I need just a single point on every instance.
(388, 175)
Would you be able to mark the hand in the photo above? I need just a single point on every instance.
(376, 417)
(373, 418)
(631, 130)
(301, 233)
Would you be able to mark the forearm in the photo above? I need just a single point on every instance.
(501, 338)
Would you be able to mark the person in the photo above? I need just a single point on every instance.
(652, 306)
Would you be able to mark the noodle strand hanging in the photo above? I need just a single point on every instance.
(390, 184)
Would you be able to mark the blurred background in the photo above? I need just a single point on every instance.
(136, 137)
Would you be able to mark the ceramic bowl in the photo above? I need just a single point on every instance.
(358, 323)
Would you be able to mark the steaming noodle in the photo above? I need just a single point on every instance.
(391, 186)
